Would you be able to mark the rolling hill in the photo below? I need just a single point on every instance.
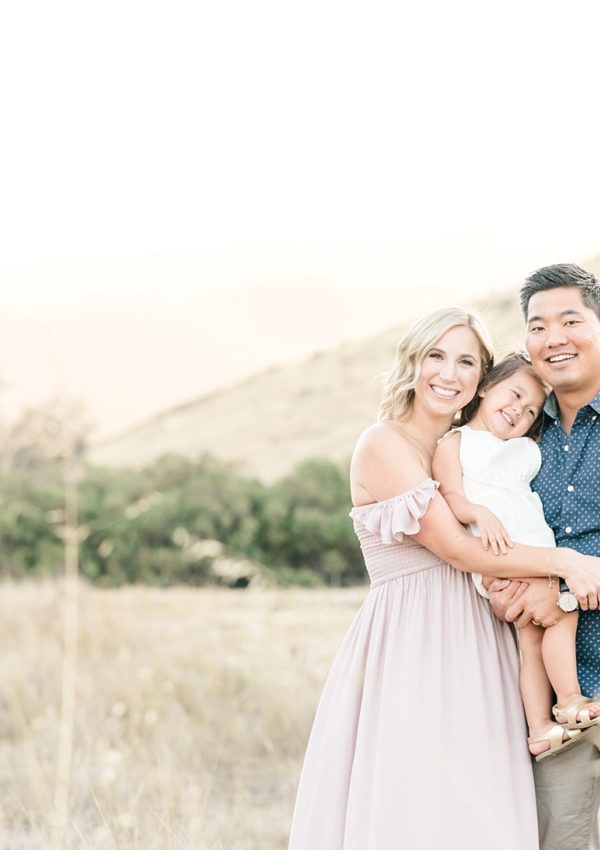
(273, 420)
(316, 407)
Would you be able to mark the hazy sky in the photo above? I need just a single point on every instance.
(135, 128)
(152, 151)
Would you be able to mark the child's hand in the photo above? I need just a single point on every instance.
(493, 534)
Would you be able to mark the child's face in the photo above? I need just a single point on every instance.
(509, 409)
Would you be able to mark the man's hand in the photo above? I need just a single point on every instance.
(521, 602)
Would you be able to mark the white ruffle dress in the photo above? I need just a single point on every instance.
(419, 738)
(497, 474)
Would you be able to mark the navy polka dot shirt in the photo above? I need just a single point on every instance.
(569, 486)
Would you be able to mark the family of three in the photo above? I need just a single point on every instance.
(477, 505)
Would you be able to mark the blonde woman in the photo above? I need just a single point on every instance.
(419, 738)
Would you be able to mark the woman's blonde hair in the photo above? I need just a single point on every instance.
(400, 381)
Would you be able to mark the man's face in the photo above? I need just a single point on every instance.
(563, 340)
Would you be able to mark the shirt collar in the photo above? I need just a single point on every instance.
(551, 406)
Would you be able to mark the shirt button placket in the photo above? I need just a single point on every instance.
(568, 512)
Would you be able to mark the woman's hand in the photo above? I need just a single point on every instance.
(582, 574)
(493, 534)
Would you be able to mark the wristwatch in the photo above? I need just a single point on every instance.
(567, 601)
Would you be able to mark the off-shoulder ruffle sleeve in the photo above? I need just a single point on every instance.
(392, 518)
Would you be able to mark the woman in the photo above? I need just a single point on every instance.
(419, 738)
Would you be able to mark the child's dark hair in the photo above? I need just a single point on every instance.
(500, 372)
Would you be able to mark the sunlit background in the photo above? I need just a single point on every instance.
(214, 219)
(209, 162)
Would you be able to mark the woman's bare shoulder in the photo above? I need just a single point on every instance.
(379, 437)
(384, 463)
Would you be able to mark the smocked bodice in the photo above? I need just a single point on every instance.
(384, 531)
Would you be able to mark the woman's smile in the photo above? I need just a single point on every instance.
(444, 392)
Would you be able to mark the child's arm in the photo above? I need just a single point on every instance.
(447, 470)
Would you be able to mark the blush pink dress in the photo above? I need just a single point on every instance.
(419, 741)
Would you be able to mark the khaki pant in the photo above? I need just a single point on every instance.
(568, 796)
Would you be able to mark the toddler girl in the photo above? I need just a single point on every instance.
(484, 469)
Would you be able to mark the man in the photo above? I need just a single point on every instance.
(561, 304)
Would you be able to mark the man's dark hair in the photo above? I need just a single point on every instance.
(562, 275)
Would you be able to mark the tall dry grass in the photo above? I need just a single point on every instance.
(192, 710)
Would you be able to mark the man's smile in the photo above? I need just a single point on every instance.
(560, 358)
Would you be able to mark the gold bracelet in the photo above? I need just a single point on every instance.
(551, 578)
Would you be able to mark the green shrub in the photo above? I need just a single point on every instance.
(298, 527)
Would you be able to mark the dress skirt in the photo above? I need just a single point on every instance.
(419, 740)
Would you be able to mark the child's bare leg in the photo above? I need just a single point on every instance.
(558, 652)
(535, 686)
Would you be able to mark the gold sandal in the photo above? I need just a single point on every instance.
(554, 736)
(573, 711)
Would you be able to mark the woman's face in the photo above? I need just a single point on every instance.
(450, 373)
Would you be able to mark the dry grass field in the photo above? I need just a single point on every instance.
(192, 712)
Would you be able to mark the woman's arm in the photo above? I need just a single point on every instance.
(441, 533)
